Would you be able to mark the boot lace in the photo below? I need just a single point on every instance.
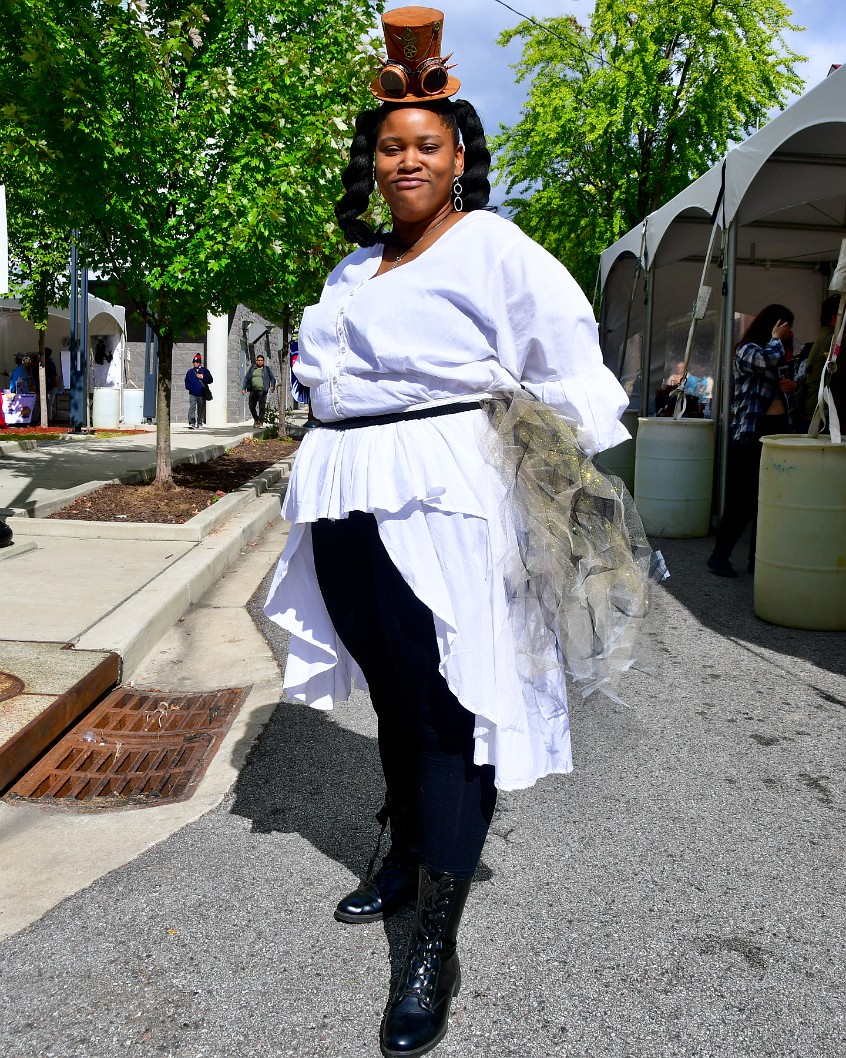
(427, 948)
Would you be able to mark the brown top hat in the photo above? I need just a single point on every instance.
(414, 71)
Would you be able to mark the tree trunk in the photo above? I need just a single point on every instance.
(284, 383)
(42, 379)
(164, 466)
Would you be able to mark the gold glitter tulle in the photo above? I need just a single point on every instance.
(579, 577)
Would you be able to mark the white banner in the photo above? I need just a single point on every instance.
(4, 245)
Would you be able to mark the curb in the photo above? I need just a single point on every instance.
(194, 530)
(19, 751)
(44, 508)
(10, 447)
(17, 547)
(134, 627)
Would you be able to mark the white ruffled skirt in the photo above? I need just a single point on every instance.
(442, 517)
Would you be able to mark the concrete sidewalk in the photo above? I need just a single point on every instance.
(103, 588)
(48, 854)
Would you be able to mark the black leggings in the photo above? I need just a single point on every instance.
(257, 400)
(743, 473)
(425, 734)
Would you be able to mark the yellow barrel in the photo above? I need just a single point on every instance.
(800, 553)
(674, 474)
(620, 459)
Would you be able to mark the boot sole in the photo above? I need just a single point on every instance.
(378, 916)
(354, 920)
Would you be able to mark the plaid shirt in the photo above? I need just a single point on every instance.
(755, 385)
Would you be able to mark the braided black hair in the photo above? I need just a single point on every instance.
(459, 117)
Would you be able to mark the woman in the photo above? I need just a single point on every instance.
(759, 409)
(398, 572)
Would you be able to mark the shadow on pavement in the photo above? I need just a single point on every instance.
(727, 607)
(307, 774)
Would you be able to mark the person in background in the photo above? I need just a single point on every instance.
(838, 390)
(21, 381)
(759, 409)
(298, 391)
(198, 379)
(258, 382)
(24, 382)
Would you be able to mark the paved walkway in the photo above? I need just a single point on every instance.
(80, 574)
(103, 587)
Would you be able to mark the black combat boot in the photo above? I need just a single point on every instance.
(417, 1017)
(395, 883)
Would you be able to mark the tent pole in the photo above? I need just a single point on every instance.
(77, 388)
(646, 348)
(84, 364)
(725, 362)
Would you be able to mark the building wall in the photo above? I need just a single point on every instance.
(239, 355)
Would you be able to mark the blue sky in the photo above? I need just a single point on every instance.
(472, 26)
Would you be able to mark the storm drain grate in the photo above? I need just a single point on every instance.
(136, 748)
(10, 686)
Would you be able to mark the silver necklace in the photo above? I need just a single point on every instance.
(434, 227)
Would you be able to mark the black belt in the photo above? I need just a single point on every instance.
(400, 416)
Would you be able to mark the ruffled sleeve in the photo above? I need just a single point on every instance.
(547, 339)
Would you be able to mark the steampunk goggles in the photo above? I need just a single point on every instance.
(395, 78)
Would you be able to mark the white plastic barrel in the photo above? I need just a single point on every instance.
(800, 552)
(106, 410)
(133, 407)
(620, 460)
(674, 473)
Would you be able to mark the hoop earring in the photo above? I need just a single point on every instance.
(457, 191)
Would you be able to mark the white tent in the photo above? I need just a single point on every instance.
(782, 215)
(105, 321)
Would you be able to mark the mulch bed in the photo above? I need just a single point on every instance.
(197, 486)
(36, 433)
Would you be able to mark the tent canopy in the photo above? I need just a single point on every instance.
(788, 176)
(782, 215)
(18, 335)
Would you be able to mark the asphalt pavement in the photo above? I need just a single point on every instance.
(681, 893)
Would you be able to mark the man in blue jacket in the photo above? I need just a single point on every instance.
(258, 380)
(197, 382)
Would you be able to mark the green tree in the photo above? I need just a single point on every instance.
(622, 115)
(195, 147)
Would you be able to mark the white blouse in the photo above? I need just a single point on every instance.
(483, 310)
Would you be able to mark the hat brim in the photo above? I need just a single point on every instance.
(413, 98)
